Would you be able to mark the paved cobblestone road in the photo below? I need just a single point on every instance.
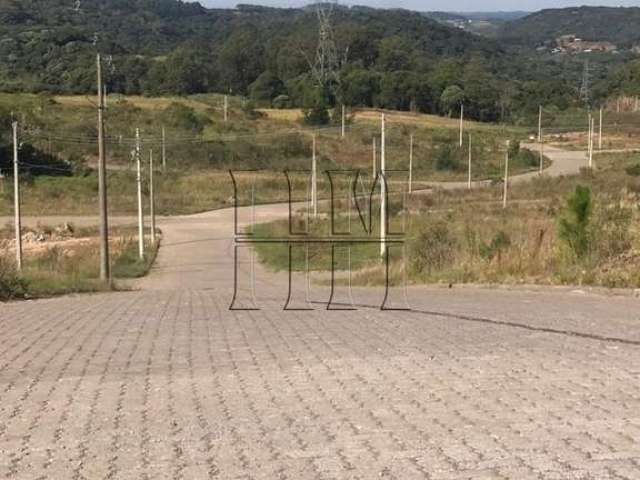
(167, 383)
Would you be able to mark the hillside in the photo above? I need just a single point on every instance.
(51, 45)
(616, 25)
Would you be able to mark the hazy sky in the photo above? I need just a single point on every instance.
(447, 5)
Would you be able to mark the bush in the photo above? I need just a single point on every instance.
(446, 158)
(434, 249)
(499, 242)
(317, 115)
(12, 286)
(633, 170)
(574, 224)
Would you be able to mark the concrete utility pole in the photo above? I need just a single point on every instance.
(592, 130)
(344, 121)
(226, 108)
(540, 124)
(600, 132)
(461, 122)
(105, 266)
(383, 191)
(140, 212)
(375, 159)
(541, 157)
(505, 193)
(469, 175)
(314, 179)
(164, 151)
(16, 198)
(152, 200)
(411, 164)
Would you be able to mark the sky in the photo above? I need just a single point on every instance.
(444, 5)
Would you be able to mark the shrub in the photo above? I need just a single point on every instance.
(574, 224)
(499, 242)
(434, 248)
(11, 284)
(317, 115)
(446, 158)
(633, 170)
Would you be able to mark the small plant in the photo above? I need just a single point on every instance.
(573, 226)
(633, 170)
(434, 248)
(11, 284)
(446, 158)
(499, 242)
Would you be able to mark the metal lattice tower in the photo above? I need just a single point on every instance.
(585, 93)
(325, 69)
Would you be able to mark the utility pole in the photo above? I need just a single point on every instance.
(314, 179)
(600, 132)
(505, 193)
(592, 129)
(540, 124)
(411, 164)
(383, 192)
(105, 267)
(375, 160)
(140, 213)
(226, 108)
(461, 122)
(469, 176)
(541, 157)
(343, 121)
(16, 198)
(164, 151)
(152, 200)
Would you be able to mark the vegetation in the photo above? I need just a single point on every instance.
(569, 230)
(588, 23)
(392, 59)
(70, 266)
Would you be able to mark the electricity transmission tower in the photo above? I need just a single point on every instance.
(326, 67)
(585, 93)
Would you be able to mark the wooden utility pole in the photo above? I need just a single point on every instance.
(140, 212)
(164, 150)
(152, 200)
(411, 164)
(540, 124)
(505, 192)
(314, 179)
(461, 122)
(16, 197)
(226, 108)
(469, 173)
(383, 191)
(344, 121)
(600, 132)
(105, 266)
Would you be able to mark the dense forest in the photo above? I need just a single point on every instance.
(616, 25)
(387, 58)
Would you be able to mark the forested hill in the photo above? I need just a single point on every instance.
(614, 24)
(168, 45)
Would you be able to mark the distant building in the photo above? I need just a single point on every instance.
(572, 44)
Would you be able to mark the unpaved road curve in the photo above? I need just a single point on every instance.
(166, 382)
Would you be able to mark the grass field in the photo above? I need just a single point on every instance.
(69, 265)
(467, 237)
